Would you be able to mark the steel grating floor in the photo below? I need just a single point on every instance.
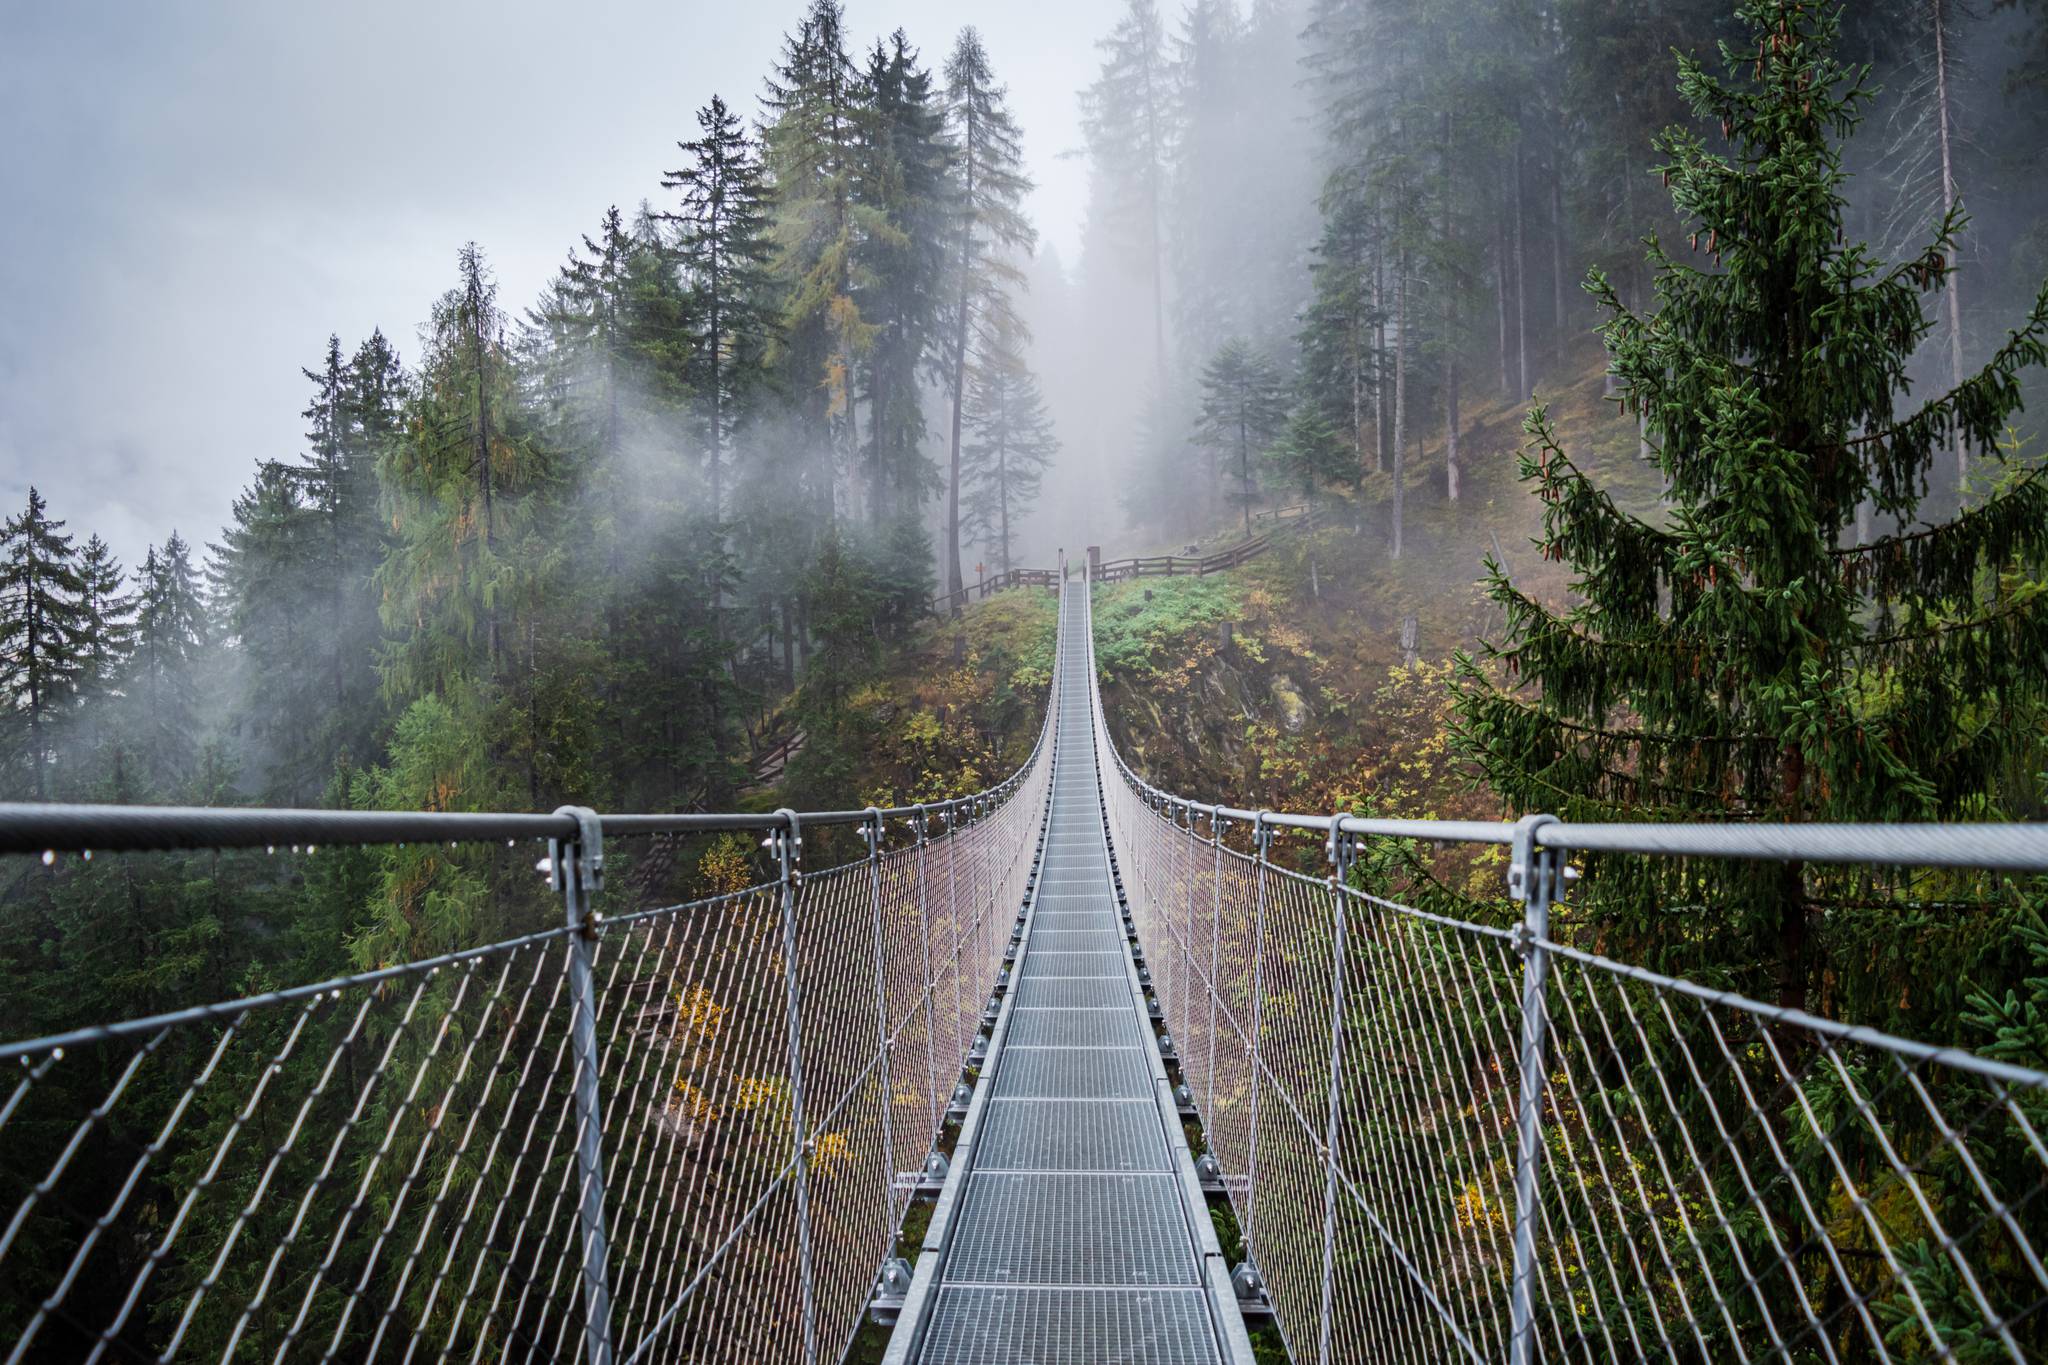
(1072, 1241)
(1072, 1135)
(988, 1326)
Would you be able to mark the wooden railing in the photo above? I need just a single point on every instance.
(1182, 566)
(948, 602)
(1277, 515)
(1137, 566)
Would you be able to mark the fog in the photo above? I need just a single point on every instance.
(199, 194)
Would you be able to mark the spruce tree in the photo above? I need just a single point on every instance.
(352, 413)
(106, 618)
(375, 401)
(1011, 443)
(277, 601)
(815, 101)
(1308, 453)
(1244, 406)
(1127, 118)
(1215, 149)
(1743, 658)
(722, 237)
(41, 633)
(162, 692)
(459, 491)
(906, 167)
(990, 233)
(1342, 327)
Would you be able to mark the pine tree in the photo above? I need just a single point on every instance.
(277, 599)
(1342, 328)
(1127, 118)
(375, 402)
(580, 332)
(1011, 443)
(41, 633)
(353, 412)
(162, 692)
(106, 618)
(989, 231)
(1308, 453)
(458, 491)
(906, 177)
(1214, 154)
(1744, 659)
(815, 103)
(1244, 407)
(722, 238)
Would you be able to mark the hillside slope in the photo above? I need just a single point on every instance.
(1317, 676)
(1296, 681)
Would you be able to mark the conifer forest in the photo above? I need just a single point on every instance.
(1637, 407)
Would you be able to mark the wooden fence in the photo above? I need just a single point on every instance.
(1137, 566)
(947, 603)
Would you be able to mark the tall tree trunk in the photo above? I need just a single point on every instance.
(1155, 211)
(483, 473)
(1356, 342)
(1379, 361)
(1400, 388)
(1308, 529)
(970, 151)
(1453, 471)
(1501, 265)
(717, 339)
(878, 405)
(1948, 198)
(1450, 288)
(1244, 467)
(1557, 300)
(1003, 495)
(33, 666)
(954, 581)
(717, 448)
(788, 647)
(1521, 283)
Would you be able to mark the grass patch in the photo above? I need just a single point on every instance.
(1144, 624)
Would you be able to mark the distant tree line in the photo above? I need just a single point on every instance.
(1386, 210)
(590, 536)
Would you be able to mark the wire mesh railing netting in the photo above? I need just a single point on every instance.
(1716, 1178)
(386, 1166)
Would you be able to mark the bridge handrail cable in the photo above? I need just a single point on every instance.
(1449, 1139)
(683, 1131)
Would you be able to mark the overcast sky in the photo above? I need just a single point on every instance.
(196, 194)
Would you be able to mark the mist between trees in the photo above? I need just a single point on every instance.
(586, 546)
(601, 545)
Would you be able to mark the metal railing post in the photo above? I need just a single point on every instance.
(931, 982)
(949, 814)
(1216, 823)
(872, 832)
(577, 869)
(788, 843)
(1532, 880)
(1187, 943)
(1342, 850)
(1262, 846)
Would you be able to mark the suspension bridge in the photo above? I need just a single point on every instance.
(1072, 1069)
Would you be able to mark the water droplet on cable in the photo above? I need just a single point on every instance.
(49, 856)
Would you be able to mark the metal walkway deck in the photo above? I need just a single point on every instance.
(1072, 1227)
